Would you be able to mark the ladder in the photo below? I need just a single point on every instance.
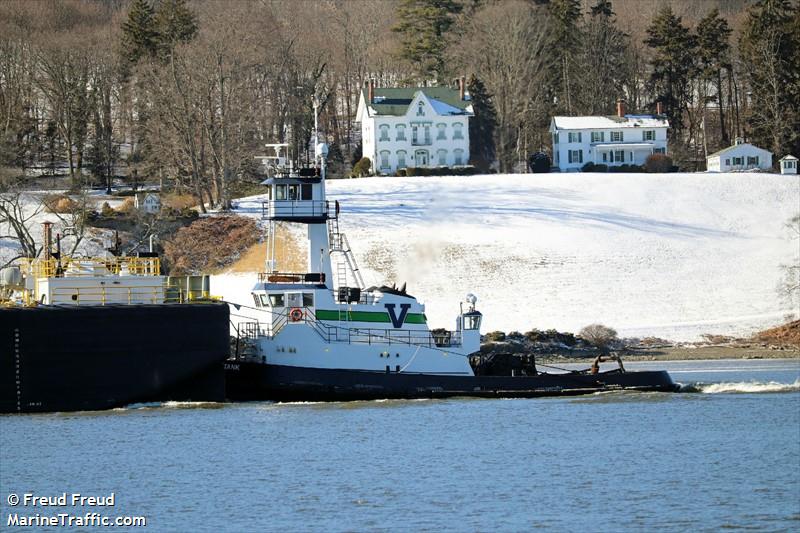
(338, 243)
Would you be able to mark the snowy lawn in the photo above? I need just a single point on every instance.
(669, 255)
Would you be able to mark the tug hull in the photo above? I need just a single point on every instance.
(250, 381)
(71, 358)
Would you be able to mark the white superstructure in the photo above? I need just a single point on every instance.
(325, 317)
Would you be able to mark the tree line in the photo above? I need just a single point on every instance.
(188, 92)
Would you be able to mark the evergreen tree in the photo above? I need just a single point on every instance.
(714, 57)
(601, 62)
(423, 25)
(139, 32)
(176, 23)
(672, 63)
(482, 125)
(770, 53)
(566, 15)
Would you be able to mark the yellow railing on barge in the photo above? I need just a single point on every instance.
(93, 266)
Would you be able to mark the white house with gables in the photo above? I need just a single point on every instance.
(414, 127)
(147, 202)
(740, 156)
(608, 140)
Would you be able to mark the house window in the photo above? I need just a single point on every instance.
(619, 156)
(574, 137)
(605, 157)
(420, 109)
(427, 134)
(575, 156)
(738, 161)
(555, 138)
(401, 132)
(649, 135)
(661, 150)
(414, 134)
(752, 160)
(442, 157)
(457, 131)
(401, 159)
(728, 161)
(440, 136)
(598, 136)
(385, 159)
(616, 136)
(458, 156)
(384, 132)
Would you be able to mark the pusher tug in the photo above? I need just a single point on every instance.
(316, 336)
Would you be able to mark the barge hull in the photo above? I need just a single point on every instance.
(251, 381)
(74, 358)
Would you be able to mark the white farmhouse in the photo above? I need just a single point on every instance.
(147, 202)
(609, 140)
(740, 156)
(414, 127)
(788, 164)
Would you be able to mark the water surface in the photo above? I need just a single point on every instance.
(725, 456)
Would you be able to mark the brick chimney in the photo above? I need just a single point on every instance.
(371, 92)
(621, 108)
(462, 87)
(659, 108)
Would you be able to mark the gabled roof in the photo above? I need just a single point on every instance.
(788, 157)
(394, 101)
(610, 122)
(729, 148)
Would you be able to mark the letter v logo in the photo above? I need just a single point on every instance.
(397, 321)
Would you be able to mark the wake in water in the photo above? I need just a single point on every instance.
(741, 387)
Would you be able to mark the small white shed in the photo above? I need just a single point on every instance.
(788, 164)
(740, 156)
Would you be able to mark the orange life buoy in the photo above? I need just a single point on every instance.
(296, 314)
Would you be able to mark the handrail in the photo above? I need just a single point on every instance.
(294, 208)
(94, 266)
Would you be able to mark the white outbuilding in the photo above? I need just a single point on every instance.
(740, 156)
(788, 164)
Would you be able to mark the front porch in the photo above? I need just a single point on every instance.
(622, 153)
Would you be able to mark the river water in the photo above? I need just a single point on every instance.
(726, 455)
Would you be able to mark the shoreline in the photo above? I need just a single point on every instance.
(676, 353)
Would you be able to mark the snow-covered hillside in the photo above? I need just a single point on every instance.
(672, 255)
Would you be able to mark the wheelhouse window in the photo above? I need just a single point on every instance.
(294, 192)
(256, 300)
(305, 191)
(275, 300)
(472, 322)
(616, 137)
(308, 299)
(280, 192)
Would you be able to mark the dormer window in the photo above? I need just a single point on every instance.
(421, 109)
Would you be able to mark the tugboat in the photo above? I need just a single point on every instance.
(316, 336)
(99, 333)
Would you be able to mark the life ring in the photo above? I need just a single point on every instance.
(296, 314)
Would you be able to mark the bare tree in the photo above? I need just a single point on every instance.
(16, 213)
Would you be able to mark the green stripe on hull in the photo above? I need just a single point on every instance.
(366, 316)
